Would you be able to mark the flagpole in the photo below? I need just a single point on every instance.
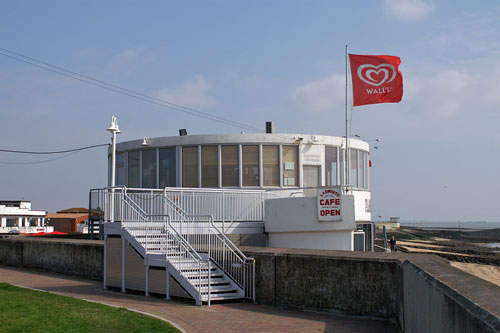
(346, 153)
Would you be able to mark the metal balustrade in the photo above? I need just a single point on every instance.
(161, 222)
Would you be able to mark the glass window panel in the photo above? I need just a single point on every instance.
(331, 162)
(362, 169)
(209, 167)
(367, 170)
(133, 169)
(167, 168)
(354, 167)
(33, 222)
(12, 221)
(190, 166)
(149, 168)
(230, 166)
(270, 165)
(290, 170)
(250, 160)
(121, 172)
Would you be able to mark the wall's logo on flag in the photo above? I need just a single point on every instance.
(376, 79)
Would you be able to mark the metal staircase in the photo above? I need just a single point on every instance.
(190, 247)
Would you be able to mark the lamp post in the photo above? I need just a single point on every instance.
(113, 128)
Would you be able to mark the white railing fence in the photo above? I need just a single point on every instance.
(161, 221)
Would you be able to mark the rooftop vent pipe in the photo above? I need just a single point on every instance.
(269, 127)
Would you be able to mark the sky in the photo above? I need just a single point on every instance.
(251, 62)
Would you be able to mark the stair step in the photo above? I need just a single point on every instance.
(193, 275)
(221, 297)
(220, 290)
(213, 281)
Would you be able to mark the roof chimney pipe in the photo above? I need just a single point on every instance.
(269, 127)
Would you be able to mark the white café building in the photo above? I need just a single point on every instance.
(292, 166)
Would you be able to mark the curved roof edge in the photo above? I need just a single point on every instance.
(244, 138)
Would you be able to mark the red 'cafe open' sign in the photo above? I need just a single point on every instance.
(329, 204)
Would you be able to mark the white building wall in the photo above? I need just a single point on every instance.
(362, 204)
(293, 223)
(329, 240)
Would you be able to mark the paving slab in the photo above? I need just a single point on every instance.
(222, 317)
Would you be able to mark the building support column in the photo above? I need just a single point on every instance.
(123, 263)
(105, 266)
(147, 281)
(167, 283)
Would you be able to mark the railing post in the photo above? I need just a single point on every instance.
(209, 273)
(244, 269)
(253, 281)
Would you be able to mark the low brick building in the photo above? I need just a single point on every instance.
(66, 222)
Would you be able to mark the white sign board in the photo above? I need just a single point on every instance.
(329, 204)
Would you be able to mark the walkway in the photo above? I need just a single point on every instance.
(228, 317)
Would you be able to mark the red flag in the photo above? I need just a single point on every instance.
(376, 79)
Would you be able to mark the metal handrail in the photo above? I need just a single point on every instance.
(196, 233)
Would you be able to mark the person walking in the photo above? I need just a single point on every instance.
(393, 244)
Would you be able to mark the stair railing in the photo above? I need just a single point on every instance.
(203, 235)
(148, 229)
(185, 259)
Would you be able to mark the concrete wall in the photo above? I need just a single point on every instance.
(75, 257)
(381, 285)
(433, 306)
(421, 293)
(329, 281)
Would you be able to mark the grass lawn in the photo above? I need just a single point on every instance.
(25, 310)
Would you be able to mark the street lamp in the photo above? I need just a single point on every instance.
(113, 128)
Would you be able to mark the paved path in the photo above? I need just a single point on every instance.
(227, 317)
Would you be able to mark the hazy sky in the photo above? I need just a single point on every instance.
(253, 61)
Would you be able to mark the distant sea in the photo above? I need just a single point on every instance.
(480, 225)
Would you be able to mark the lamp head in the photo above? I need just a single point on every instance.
(113, 127)
(145, 142)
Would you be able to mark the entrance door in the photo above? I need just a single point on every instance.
(311, 179)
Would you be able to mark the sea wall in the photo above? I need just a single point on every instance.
(82, 258)
(421, 293)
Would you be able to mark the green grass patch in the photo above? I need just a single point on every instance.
(25, 310)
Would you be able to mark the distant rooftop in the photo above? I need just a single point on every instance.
(74, 210)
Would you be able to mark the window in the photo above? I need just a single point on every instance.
(209, 167)
(167, 168)
(33, 222)
(121, 172)
(12, 222)
(270, 165)
(230, 166)
(133, 169)
(361, 169)
(149, 168)
(190, 166)
(331, 160)
(354, 167)
(250, 165)
(290, 174)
